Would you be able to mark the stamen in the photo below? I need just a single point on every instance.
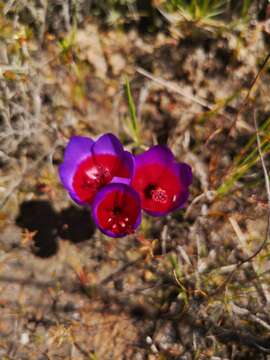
(156, 193)
(118, 222)
(159, 195)
(122, 223)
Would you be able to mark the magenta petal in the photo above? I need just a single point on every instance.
(108, 144)
(120, 180)
(156, 154)
(90, 165)
(182, 199)
(128, 161)
(66, 172)
(66, 175)
(77, 149)
(127, 202)
(185, 172)
(76, 199)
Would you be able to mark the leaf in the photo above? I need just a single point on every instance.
(134, 125)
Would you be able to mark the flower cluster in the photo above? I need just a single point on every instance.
(117, 185)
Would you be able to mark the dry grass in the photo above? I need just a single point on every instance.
(193, 285)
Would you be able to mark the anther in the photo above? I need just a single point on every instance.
(159, 195)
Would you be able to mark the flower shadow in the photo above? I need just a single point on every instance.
(75, 224)
(71, 224)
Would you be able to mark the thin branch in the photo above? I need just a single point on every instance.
(170, 85)
(254, 81)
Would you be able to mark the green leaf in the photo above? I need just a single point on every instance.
(134, 124)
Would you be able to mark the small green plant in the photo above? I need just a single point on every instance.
(198, 10)
(132, 121)
(178, 275)
(93, 356)
(116, 12)
(67, 43)
(245, 7)
(247, 158)
(207, 13)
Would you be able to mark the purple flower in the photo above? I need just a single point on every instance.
(89, 165)
(161, 182)
(117, 210)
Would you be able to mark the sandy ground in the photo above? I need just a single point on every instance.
(168, 291)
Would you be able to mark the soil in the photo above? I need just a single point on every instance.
(167, 291)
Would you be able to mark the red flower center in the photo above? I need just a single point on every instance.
(156, 193)
(118, 222)
(118, 212)
(95, 172)
(158, 187)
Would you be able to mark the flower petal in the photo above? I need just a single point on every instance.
(120, 180)
(153, 161)
(120, 162)
(89, 165)
(156, 154)
(161, 182)
(116, 210)
(126, 168)
(76, 199)
(66, 173)
(185, 174)
(78, 148)
(108, 144)
(158, 186)
(182, 199)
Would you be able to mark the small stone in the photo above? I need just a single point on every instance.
(24, 340)
(76, 316)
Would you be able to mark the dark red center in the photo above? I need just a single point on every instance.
(156, 193)
(119, 223)
(159, 195)
(118, 212)
(95, 172)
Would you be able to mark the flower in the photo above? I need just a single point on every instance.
(116, 209)
(161, 182)
(89, 165)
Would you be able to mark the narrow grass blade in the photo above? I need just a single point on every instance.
(133, 124)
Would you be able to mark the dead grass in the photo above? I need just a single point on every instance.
(193, 285)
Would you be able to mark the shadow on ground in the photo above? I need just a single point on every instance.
(71, 224)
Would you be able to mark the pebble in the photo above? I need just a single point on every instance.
(24, 340)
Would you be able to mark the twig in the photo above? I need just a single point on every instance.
(208, 195)
(244, 103)
(175, 88)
